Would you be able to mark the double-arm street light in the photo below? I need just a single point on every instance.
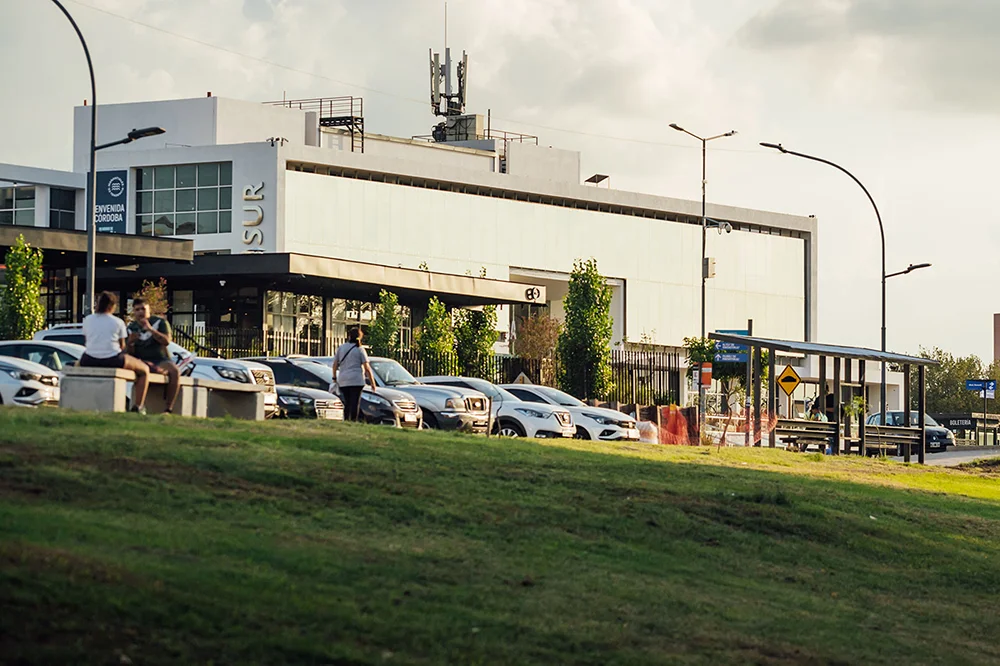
(704, 228)
(881, 229)
(92, 173)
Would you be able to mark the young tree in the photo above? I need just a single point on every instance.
(946, 391)
(436, 341)
(475, 335)
(537, 336)
(155, 295)
(383, 333)
(585, 341)
(21, 311)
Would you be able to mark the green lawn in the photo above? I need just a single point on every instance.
(175, 541)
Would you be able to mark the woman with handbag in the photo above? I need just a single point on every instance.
(351, 360)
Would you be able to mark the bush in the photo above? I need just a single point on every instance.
(21, 311)
(585, 341)
(383, 333)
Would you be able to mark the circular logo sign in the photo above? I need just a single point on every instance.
(116, 187)
(532, 293)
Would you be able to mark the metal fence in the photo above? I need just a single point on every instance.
(637, 377)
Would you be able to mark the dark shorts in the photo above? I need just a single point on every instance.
(88, 361)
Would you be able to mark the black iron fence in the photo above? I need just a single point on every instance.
(637, 377)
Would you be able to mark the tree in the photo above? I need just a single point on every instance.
(383, 333)
(732, 377)
(155, 295)
(435, 340)
(475, 335)
(585, 341)
(21, 311)
(946, 391)
(537, 336)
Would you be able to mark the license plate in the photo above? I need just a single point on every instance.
(632, 434)
(410, 418)
(329, 414)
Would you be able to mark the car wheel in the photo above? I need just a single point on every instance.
(581, 433)
(429, 423)
(511, 429)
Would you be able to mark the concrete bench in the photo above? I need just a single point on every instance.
(106, 390)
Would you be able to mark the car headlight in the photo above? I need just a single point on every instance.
(374, 399)
(455, 404)
(232, 375)
(600, 419)
(288, 400)
(533, 413)
(306, 400)
(24, 375)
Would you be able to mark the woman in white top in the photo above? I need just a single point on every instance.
(352, 362)
(105, 336)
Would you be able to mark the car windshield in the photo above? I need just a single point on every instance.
(392, 373)
(491, 391)
(896, 419)
(560, 398)
(324, 372)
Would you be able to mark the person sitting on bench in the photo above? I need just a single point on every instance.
(148, 337)
(105, 335)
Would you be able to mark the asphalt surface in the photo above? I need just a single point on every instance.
(956, 456)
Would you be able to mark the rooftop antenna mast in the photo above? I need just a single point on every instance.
(454, 101)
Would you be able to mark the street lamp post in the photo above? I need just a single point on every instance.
(704, 240)
(881, 229)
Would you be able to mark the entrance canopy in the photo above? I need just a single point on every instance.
(68, 249)
(349, 279)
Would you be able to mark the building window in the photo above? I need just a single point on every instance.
(296, 315)
(184, 200)
(345, 314)
(17, 206)
(57, 295)
(62, 208)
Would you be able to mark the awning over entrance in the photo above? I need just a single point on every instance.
(350, 279)
(68, 249)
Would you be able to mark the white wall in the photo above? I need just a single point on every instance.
(759, 276)
(531, 161)
(416, 151)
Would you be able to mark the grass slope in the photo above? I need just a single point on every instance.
(167, 541)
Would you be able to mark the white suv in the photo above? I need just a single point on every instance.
(202, 367)
(26, 383)
(591, 422)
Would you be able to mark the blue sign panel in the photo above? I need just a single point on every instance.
(975, 384)
(730, 358)
(111, 202)
(729, 346)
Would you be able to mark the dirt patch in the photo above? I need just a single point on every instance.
(37, 558)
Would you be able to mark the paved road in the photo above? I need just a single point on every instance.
(954, 456)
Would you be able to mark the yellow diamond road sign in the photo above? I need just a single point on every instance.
(789, 380)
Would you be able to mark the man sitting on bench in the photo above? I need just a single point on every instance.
(148, 337)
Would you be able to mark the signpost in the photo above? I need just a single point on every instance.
(987, 388)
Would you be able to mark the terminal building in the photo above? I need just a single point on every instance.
(289, 217)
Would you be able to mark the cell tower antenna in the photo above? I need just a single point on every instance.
(453, 95)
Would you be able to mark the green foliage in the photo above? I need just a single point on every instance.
(537, 336)
(475, 335)
(946, 391)
(585, 340)
(21, 311)
(732, 377)
(155, 295)
(436, 337)
(383, 332)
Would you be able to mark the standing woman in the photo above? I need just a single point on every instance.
(105, 336)
(351, 360)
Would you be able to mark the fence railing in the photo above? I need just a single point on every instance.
(637, 377)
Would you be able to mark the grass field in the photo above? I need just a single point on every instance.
(168, 541)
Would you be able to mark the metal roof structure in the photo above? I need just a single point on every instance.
(818, 349)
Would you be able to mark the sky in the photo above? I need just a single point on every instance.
(903, 93)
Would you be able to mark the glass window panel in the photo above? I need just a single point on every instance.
(24, 197)
(62, 199)
(6, 197)
(226, 173)
(225, 222)
(54, 219)
(208, 174)
(182, 321)
(208, 223)
(24, 218)
(144, 224)
(208, 198)
(273, 301)
(287, 303)
(6, 217)
(185, 223)
(163, 201)
(163, 225)
(163, 177)
(183, 301)
(225, 198)
(144, 202)
(144, 179)
(186, 175)
(186, 200)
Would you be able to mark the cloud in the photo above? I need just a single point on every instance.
(918, 52)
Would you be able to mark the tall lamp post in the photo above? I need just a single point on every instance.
(881, 229)
(704, 267)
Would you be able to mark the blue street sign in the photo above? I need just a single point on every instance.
(977, 384)
(730, 358)
(723, 346)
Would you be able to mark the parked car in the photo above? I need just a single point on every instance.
(27, 384)
(939, 438)
(202, 367)
(53, 355)
(512, 416)
(384, 406)
(591, 422)
(300, 402)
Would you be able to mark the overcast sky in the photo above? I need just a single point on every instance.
(904, 93)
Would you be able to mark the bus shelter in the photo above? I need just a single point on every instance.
(835, 433)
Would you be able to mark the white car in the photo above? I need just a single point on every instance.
(591, 422)
(513, 416)
(26, 383)
(202, 367)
